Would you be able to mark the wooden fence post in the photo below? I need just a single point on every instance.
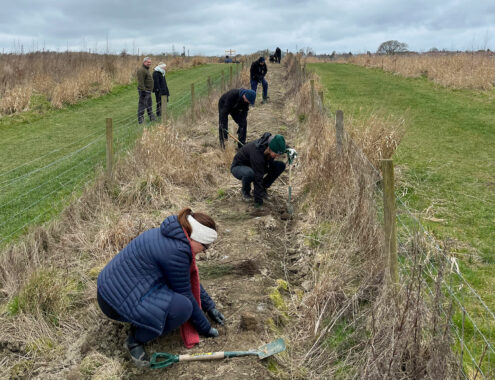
(312, 94)
(322, 99)
(230, 76)
(164, 109)
(209, 86)
(192, 102)
(109, 148)
(389, 213)
(339, 130)
(223, 80)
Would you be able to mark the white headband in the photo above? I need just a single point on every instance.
(201, 233)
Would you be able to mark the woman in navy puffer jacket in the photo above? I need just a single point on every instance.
(153, 283)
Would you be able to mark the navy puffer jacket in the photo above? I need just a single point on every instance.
(140, 281)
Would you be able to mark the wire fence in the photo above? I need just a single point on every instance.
(36, 190)
(471, 320)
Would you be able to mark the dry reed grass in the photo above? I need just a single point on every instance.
(16, 100)
(348, 325)
(66, 78)
(461, 70)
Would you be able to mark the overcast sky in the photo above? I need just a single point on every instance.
(211, 27)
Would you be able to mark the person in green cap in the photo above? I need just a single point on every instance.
(255, 162)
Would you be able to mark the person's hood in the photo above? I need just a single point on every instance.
(160, 69)
(171, 228)
(262, 143)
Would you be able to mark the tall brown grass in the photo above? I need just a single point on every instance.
(66, 78)
(348, 324)
(457, 70)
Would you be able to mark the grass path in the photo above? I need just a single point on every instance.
(45, 158)
(446, 161)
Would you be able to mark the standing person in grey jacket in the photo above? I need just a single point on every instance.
(145, 86)
(160, 87)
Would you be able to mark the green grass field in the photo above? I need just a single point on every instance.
(447, 162)
(47, 155)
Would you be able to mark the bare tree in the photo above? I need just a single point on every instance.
(392, 47)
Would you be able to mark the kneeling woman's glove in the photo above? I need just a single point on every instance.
(212, 333)
(216, 316)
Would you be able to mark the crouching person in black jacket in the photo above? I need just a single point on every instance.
(160, 87)
(236, 104)
(255, 162)
(153, 284)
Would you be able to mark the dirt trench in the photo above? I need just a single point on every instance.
(239, 271)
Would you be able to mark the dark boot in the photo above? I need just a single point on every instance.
(137, 351)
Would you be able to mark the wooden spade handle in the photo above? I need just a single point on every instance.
(202, 356)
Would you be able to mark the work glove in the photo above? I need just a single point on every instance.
(291, 155)
(216, 316)
(213, 333)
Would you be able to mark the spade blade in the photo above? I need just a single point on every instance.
(271, 348)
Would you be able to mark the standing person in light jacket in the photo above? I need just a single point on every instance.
(255, 162)
(160, 87)
(235, 103)
(258, 72)
(153, 284)
(145, 86)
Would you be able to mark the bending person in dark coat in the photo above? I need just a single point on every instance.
(236, 104)
(153, 283)
(256, 159)
(160, 87)
(258, 71)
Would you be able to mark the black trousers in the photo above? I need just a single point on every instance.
(158, 98)
(223, 128)
(145, 103)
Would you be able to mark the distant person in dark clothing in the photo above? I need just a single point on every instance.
(272, 58)
(235, 103)
(278, 55)
(255, 162)
(145, 86)
(160, 87)
(258, 72)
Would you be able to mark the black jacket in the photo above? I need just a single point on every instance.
(278, 53)
(160, 83)
(253, 155)
(258, 71)
(232, 103)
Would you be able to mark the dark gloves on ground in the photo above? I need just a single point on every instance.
(216, 316)
(213, 333)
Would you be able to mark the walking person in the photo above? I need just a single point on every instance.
(153, 284)
(235, 103)
(255, 163)
(160, 87)
(258, 72)
(145, 86)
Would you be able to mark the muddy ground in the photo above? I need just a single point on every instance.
(239, 270)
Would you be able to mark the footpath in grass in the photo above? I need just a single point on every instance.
(446, 159)
(45, 158)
